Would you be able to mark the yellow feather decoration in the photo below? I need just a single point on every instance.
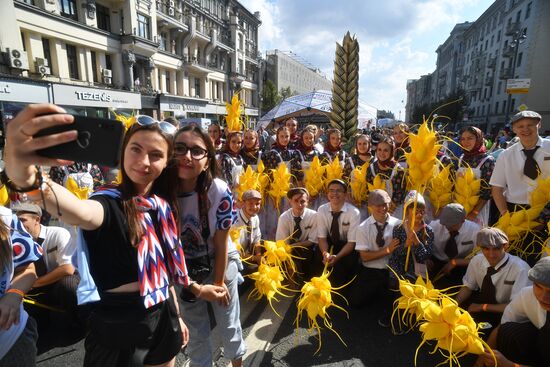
(72, 186)
(333, 170)
(467, 190)
(518, 223)
(263, 179)
(280, 253)
(280, 184)
(358, 183)
(118, 179)
(441, 189)
(247, 181)
(377, 183)
(439, 319)
(126, 121)
(268, 283)
(316, 299)
(313, 177)
(233, 119)
(541, 193)
(421, 160)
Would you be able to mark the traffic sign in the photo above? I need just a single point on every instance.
(518, 86)
(523, 107)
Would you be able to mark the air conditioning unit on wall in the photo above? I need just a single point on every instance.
(107, 80)
(18, 59)
(107, 73)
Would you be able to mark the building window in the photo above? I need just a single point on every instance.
(518, 16)
(68, 9)
(72, 60)
(103, 18)
(496, 107)
(503, 106)
(520, 57)
(498, 36)
(46, 50)
(164, 42)
(23, 41)
(143, 26)
(108, 63)
(197, 87)
(528, 11)
(94, 66)
(499, 87)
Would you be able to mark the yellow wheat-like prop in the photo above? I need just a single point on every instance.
(313, 177)
(268, 283)
(518, 223)
(316, 298)
(233, 119)
(467, 190)
(358, 183)
(4, 196)
(439, 319)
(263, 180)
(422, 158)
(378, 183)
(441, 189)
(126, 121)
(72, 186)
(540, 196)
(280, 184)
(249, 180)
(333, 171)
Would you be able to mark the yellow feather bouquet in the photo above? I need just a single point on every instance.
(263, 180)
(422, 158)
(72, 186)
(333, 171)
(268, 282)
(234, 118)
(440, 189)
(313, 177)
(377, 183)
(358, 183)
(249, 180)
(280, 184)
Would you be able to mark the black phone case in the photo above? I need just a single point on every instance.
(99, 141)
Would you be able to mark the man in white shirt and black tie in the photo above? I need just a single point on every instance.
(497, 275)
(297, 226)
(248, 221)
(337, 222)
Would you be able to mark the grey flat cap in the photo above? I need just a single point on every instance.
(491, 237)
(251, 194)
(378, 197)
(20, 207)
(525, 115)
(452, 214)
(540, 273)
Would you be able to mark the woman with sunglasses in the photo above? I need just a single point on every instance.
(231, 162)
(206, 216)
(134, 319)
(385, 165)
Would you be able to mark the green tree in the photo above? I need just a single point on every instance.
(287, 92)
(383, 114)
(270, 97)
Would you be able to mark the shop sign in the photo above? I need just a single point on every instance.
(70, 95)
(16, 91)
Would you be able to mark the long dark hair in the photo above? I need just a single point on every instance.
(162, 186)
(205, 179)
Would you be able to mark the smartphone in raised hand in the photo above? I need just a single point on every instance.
(99, 141)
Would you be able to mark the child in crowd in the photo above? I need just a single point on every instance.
(248, 221)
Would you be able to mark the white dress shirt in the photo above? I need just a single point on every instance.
(365, 239)
(465, 239)
(508, 172)
(348, 221)
(285, 225)
(525, 308)
(254, 236)
(57, 247)
(508, 281)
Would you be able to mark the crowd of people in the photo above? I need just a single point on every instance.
(151, 257)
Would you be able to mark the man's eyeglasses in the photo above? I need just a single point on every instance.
(197, 153)
(144, 120)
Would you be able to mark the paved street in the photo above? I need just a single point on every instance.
(274, 341)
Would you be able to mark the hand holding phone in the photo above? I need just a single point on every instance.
(98, 141)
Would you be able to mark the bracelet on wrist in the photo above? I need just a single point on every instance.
(484, 307)
(38, 179)
(388, 250)
(16, 291)
(453, 262)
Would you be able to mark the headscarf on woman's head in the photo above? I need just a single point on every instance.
(278, 145)
(479, 147)
(328, 145)
(226, 147)
(301, 146)
(390, 162)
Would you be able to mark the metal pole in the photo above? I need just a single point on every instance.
(515, 42)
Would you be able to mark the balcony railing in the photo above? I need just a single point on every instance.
(512, 28)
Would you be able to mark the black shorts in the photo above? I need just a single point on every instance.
(122, 333)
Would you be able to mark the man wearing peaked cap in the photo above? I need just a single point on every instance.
(493, 277)
(454, 240)
(524, 335)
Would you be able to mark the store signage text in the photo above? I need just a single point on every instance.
(89, 96)
(5, 88)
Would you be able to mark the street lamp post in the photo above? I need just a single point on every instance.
(518, 38)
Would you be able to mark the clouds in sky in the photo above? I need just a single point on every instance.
(397, 38)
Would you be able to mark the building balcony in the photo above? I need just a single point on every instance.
(506, 74)
(141, 45)
(512, 28)
(509, 51)
(492, 63)
(490, 80)
(194, 65)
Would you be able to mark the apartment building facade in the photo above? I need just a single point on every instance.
(163, 57)
(510, 40)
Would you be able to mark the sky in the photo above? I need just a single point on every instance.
(397, 38)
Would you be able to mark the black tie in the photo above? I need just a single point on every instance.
(249, 235)
(488, 291)
(531, 168)
(297, 232)
(380, 234)
(335, 228)
(40, 264)
(451, 249)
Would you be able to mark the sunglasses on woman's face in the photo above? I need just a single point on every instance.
(166, 127)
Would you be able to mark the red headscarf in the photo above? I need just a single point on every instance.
(479, 147)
